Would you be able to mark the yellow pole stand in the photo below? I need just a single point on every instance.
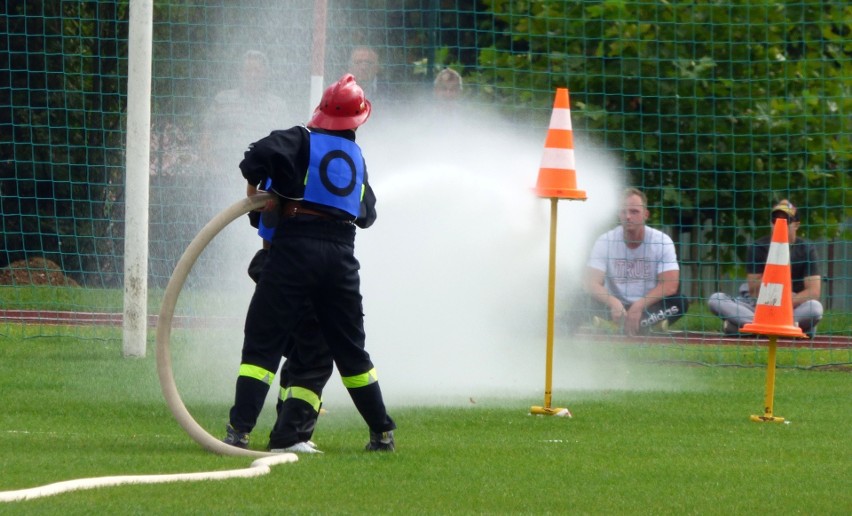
(767, 416)
(547, 410)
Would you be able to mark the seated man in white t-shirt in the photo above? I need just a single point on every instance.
(632, 275)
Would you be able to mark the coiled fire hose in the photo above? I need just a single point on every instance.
(263, 460)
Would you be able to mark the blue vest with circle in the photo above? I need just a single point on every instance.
(335, 173)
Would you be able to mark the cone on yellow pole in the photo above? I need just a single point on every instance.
(557, 176)
(773, 313)
(557, 179)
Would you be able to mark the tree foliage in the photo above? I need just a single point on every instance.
(717, 108)
(62, 167)
(63, 136)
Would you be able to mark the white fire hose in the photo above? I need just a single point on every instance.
(164, 325)
(263, 460)
(258, 468)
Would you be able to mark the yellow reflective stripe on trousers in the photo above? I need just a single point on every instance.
(360, 380)
(258, 373)
(300, 393)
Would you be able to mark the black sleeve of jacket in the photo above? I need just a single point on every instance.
(283, 156)
(367, 214)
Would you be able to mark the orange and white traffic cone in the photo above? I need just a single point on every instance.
(773, 313)
(557, 177)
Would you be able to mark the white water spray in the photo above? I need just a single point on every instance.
(454, 272)
(455, 269)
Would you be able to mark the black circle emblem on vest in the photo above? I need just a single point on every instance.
(326, 181)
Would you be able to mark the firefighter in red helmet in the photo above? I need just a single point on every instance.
(320, 178)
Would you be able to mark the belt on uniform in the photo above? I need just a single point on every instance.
(293, 208)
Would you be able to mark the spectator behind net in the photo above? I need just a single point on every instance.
(243, 114)
(632, 276)
(804, 270)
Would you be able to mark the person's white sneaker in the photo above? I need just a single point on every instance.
(304, 447)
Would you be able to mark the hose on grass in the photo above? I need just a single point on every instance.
(263, 461)
(259, 467)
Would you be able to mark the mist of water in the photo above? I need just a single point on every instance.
(454, 272)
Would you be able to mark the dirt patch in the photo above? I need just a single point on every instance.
(35, 271)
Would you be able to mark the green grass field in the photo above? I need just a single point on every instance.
(76, 409)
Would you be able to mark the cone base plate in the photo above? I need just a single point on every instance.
(767, 418)
(549, 411)
(771, 329)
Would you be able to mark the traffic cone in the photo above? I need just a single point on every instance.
(556, 174)
(773, 314)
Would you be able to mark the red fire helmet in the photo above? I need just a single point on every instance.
(343, 106)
